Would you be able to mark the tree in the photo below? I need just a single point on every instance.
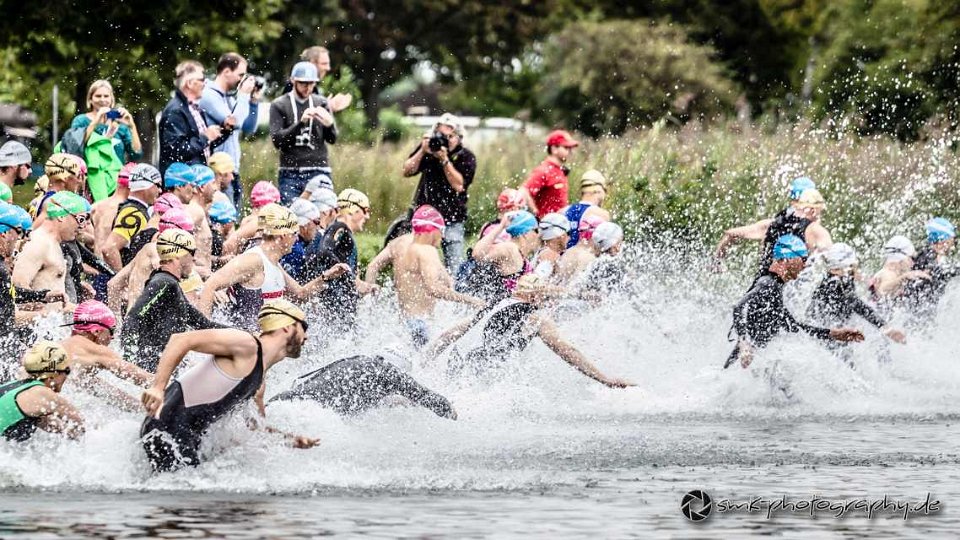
(603, 78)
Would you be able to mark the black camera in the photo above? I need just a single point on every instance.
(259, 82)
(437, 141)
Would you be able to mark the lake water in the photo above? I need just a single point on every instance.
(539, 450)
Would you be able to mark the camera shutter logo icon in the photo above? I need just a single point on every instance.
(696, 505)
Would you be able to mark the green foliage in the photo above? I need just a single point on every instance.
(603, 78)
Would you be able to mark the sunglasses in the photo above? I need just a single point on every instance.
(81, 219)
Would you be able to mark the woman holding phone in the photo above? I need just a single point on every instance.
(111, 121)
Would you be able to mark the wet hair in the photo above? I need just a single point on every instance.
(230, 60)
(97, 85)
(312, 54)
(187, 67)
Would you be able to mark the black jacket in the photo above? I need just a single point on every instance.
(180, 138)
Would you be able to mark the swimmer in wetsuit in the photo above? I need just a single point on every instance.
(760, 315)
(801, 218)
(359, 383)
(35, 401)
(499, 265)
(162, 309)
(923, 296)
(233, 373)
(507, 328)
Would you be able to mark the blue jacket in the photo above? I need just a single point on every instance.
(217, 106)
(180, 139)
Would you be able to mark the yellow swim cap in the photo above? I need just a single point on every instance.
(221, 162)
(811, 198)
(59, 166)
(45, 360)
(276, 220)
(175, 243)
(279, 313)
(351, 200)
(592, 178)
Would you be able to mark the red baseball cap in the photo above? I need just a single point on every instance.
(560, 137)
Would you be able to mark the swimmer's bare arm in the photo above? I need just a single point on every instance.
(818, 238)
(433, 274)
(28, 265)
(305, 292)
(482, 249)
(384, 258)
(111, 250)
(247, 229)
(116, 286)
(448, 338)
(56, 414)
(227, 343)
(297, 441)
(103, 389)
(106, 358)
(756, 231)
(550, 335)
(238, 270)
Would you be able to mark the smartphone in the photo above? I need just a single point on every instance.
(114, 114)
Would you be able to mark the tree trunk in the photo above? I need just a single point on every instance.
(370, 86)
(806, 91)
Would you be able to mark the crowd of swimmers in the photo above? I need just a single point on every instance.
(165, 286)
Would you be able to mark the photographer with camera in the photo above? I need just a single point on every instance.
(301, 126)
(446, 170)
(234, 114)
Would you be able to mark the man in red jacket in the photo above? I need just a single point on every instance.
(546, 189)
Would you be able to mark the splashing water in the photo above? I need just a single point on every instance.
(537, 426)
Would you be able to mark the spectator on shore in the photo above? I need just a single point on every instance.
(185, 136)
(237, 113)
(301, 126)
(106, 119)
(446, 172)
(547, 188)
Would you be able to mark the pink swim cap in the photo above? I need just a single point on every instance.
(93, 315)
(81, 162)
(588, 224)
(165, 202)
(427, 219)
(123, 178)
(176, 218)
(264, 193)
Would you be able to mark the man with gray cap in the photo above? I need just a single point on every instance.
(446, 171)
(301, 126)
(15, 162)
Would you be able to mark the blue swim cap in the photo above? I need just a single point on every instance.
(178, 174)
(799, 185)
(940, 229)
(521, 223)
(9, 217)
(202, 175)
(789, 246)
(222, 212)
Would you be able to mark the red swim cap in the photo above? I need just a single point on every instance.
(511, 199)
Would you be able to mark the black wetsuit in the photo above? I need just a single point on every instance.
(760, 315)
(358, 383)
(338, 303)
(835, 301)
(483, 280)
(785, 222)
(132, 216)
(173, 440)
(161, 311)
(14, 338)
(505, 333)
(923, 295)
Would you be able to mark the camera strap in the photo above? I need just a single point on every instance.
(296, 118)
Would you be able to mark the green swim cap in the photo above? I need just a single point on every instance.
(66, 202)
(5, 194)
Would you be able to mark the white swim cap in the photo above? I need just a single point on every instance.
(606, 236)
(899, 248)
(840, 256)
